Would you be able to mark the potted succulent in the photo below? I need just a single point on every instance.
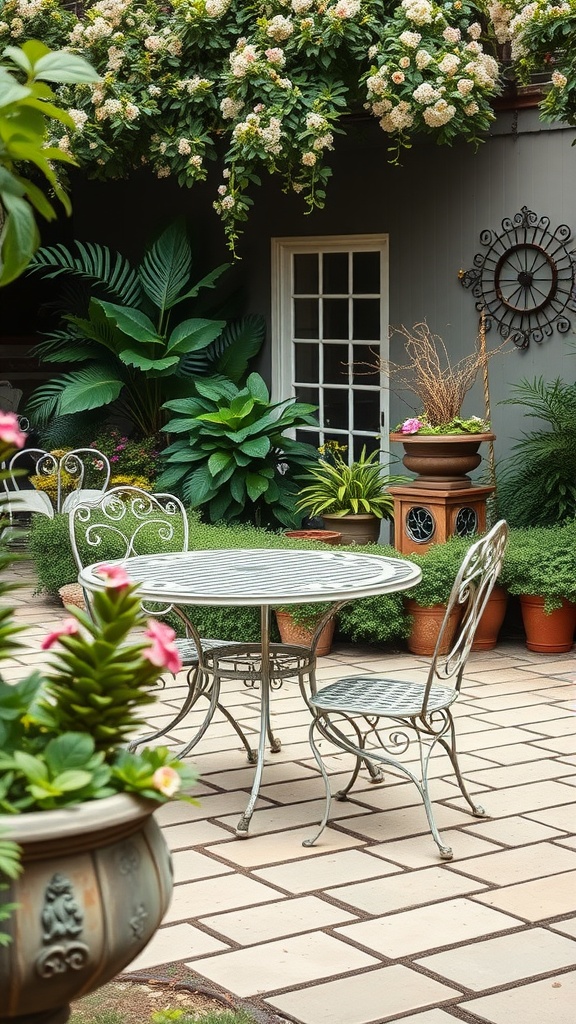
(352, 499)
(89, 872)
(540, 567)
(441, 446)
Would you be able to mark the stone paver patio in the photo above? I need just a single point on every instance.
(370, 925)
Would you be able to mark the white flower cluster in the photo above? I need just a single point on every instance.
(243, 58)
(216, 8)
(230, 108)
(112, 108)
(500, 15)
(409, 39)
(255, 128)
(275, 55)
(344, 9)
(517, 25)
(27, 9)
(399, 118)
(79, 117)
(419, 12)
(279, 28)
(449, 64)
(301, 6)
(440, 113)
(559, 81)
(483, 70)
(195, 85)
(318, 124)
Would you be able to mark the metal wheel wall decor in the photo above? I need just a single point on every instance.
(524, 282)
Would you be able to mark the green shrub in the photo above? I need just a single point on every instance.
(440, 565)
(542, 562)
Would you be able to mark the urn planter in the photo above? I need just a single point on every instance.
(441, 461)
(354, 529)
(96, 883)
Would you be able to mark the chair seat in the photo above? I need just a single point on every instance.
(371, 695)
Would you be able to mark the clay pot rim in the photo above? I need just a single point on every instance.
(85, 817)
(436, 438)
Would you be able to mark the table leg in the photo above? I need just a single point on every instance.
(265, 730)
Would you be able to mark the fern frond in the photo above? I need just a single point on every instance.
(95, 263)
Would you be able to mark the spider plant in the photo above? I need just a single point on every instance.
(338, 489)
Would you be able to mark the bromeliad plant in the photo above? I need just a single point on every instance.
(338, 489)
(235, 459)
(62, 734)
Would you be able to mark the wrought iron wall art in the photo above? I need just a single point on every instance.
(525, 280)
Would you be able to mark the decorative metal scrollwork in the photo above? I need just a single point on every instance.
(466, 521)
(524, 282)
(62, 922)
(420, 525)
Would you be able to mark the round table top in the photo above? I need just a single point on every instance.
(260, 576)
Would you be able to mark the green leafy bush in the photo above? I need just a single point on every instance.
(542, 562)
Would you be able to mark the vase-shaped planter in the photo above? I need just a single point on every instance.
(548, 634)
(491, 620)
(441, 461)
(96, 883)
(292, 632)
(355, 529)
(426, 623)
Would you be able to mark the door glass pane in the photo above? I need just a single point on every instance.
(306, 275)
(306, 323)
(364, 358)
(308, 437)
(372, 445)
(367, 411)
(309, 395)
(335, 273)
(307, 362)
(366, 319)
(366, 273)
(336, 368)
(336, 408)
(335, 318)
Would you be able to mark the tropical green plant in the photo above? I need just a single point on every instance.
(28, 106)
(339, 489)
(235, 459)
(542, 562)
(537, 483)
(133, 353)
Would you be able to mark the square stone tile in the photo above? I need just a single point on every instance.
(545, 1002)
(282, 964)
(514, 831)
(175, 942)
(440, 924)
(519, 865)
(502, 960)
(385, 895)
(192, 900)
(536, 900)
(374, 996)
(419, 853)
(248, 927)
(282, 847)
(327, 870)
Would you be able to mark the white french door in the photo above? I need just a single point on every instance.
(330, 325)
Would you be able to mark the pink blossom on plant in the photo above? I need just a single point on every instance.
(411, 426)
(166, 780)
(66, 628)
(115, 576)
(10, 431)
(162, 651)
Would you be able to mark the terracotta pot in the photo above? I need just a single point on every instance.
(360, 529)
(96, 884)
(441, 461)
(548, 634)
(491, 620)
(426, 627)
(295, 633)
(326, 536)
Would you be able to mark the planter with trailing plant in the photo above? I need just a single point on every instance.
(298, 624)
(352, 499)
(426, 603)
(540, 568)
(85, 869)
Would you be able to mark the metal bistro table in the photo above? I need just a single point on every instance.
(265, 578)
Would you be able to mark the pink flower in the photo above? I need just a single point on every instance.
(115, 576)
(114, 458)
(162, 651)
(10, 431)
(411, 426)
(66, 628)
(166, 780)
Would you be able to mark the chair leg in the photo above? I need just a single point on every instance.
(422, 785)
(320, 763)
(450, 748)
(193, 695)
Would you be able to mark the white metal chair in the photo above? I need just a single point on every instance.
(375, 717)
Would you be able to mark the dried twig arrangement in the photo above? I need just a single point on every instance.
(440, 385)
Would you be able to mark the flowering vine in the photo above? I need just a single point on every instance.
(264, 87)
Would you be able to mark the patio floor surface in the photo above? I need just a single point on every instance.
(370, 925)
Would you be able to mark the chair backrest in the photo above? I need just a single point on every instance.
(83, 472)
(470, 592)
(127, 521)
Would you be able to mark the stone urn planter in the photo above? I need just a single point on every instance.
(354, 529)
(96, 883)
(441, 461)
